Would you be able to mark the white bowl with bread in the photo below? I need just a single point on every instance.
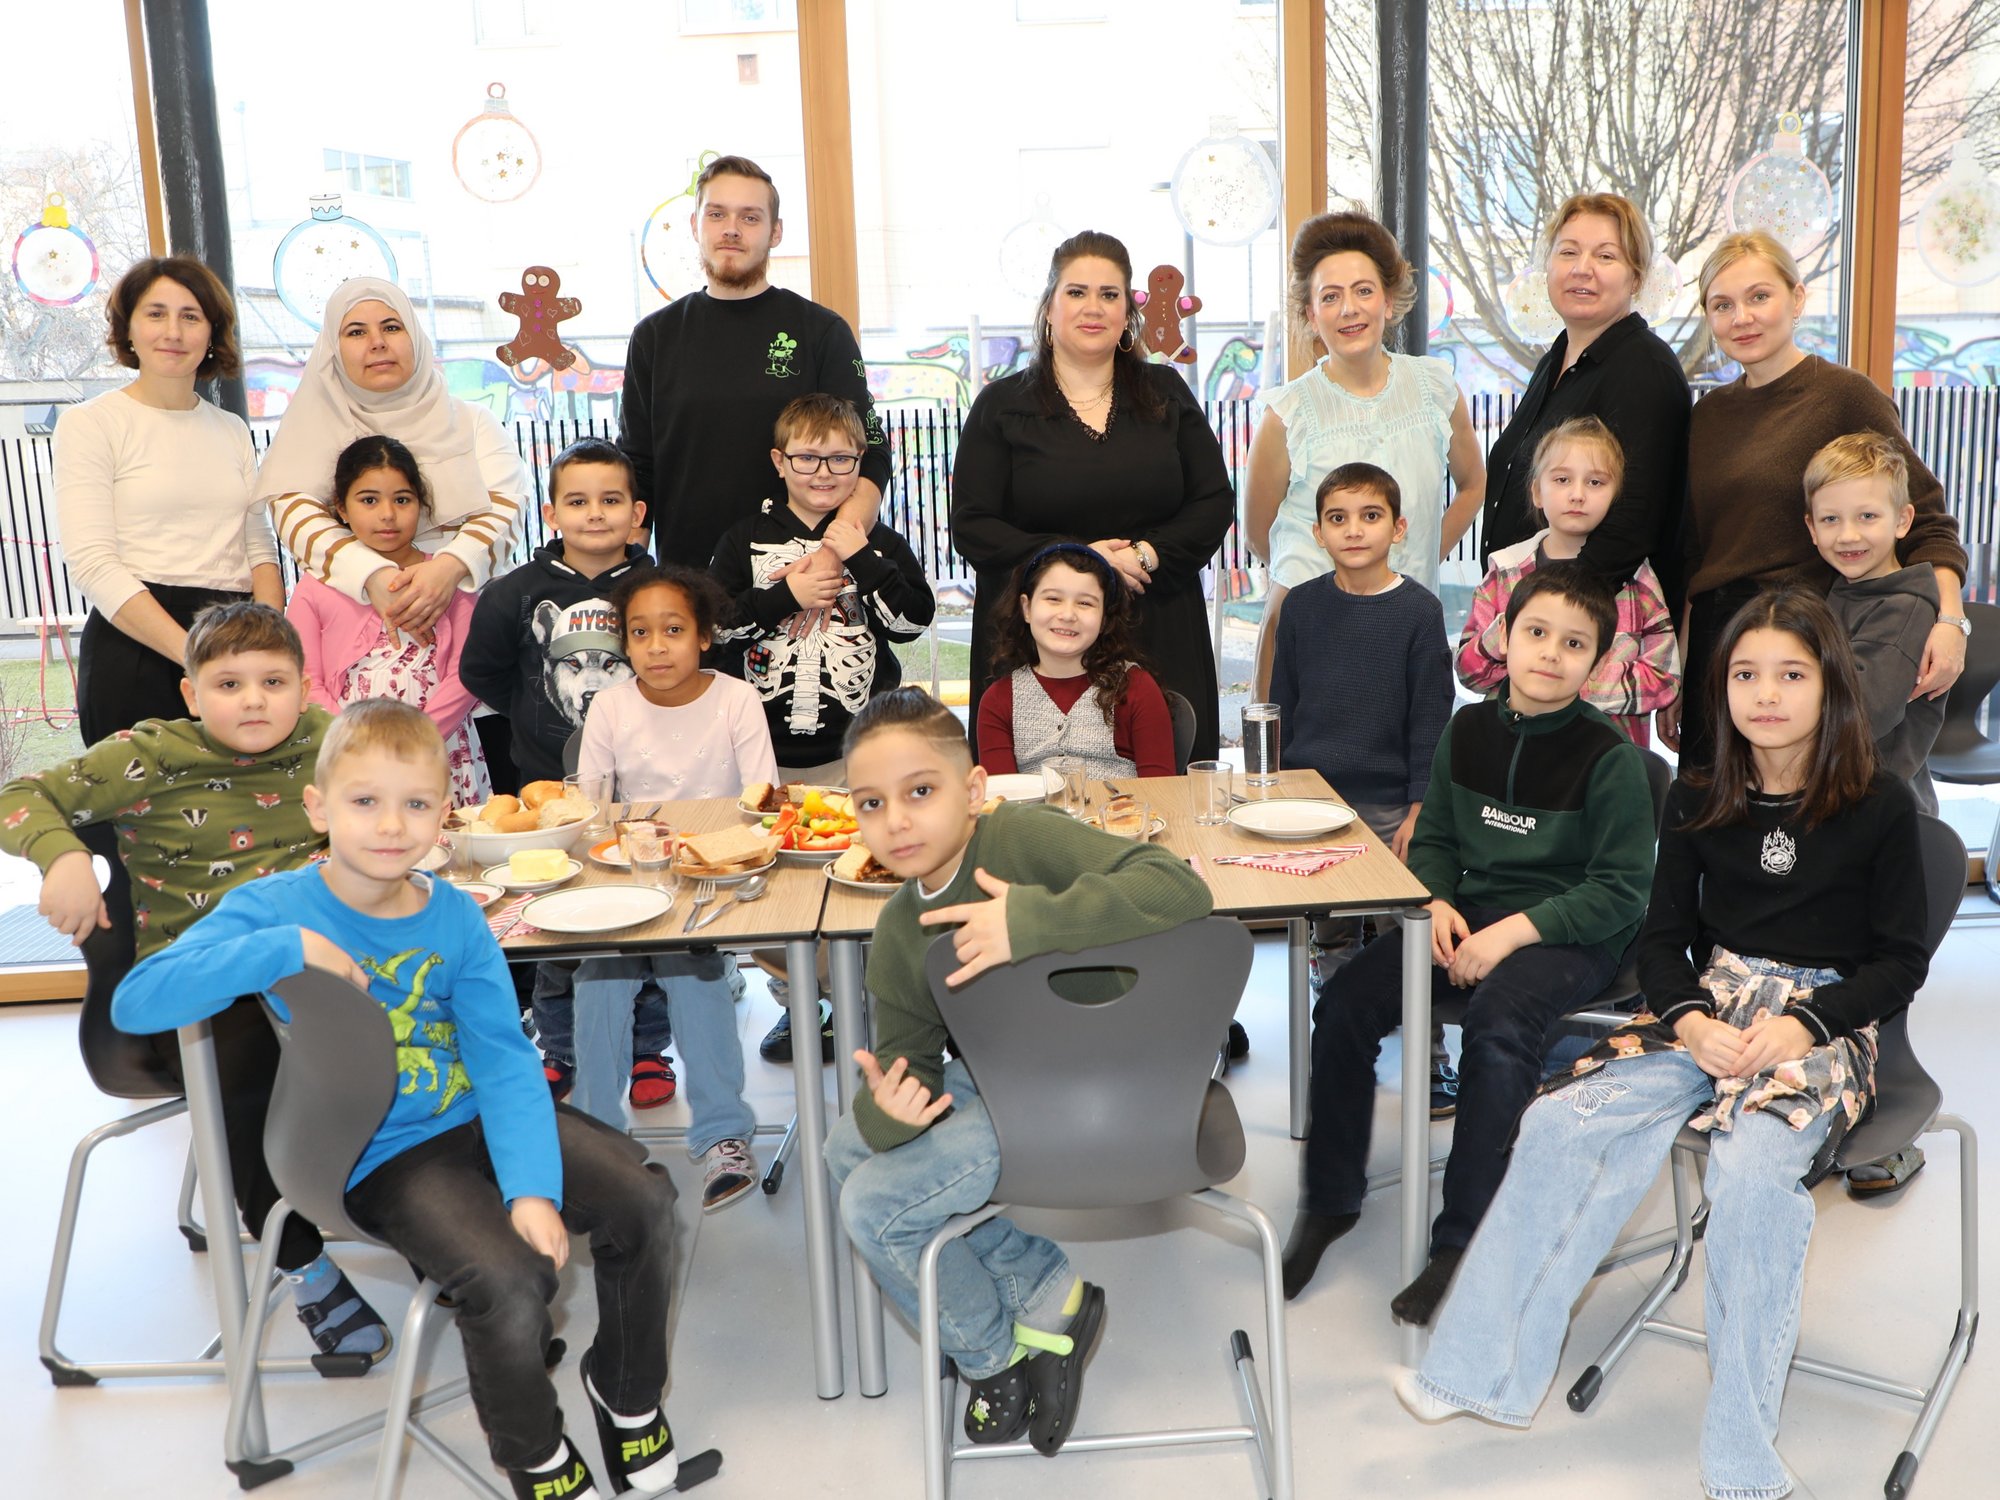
(540, 818)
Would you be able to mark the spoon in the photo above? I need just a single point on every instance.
(751, 890)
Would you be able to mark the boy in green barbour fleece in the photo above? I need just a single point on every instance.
(1536, 843)
(202, 805)
(919, 1147)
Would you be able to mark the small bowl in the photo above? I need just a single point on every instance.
(496, 848)
(483, 895)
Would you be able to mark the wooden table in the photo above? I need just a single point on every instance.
(1375, 881)
(789, 914)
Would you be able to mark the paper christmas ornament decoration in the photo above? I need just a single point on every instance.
(1025, 251)
(1529, 311)
(1440, 305)
(323, 250)
(55, 263)
(496, 157)
(667, 250)
(1958, 228)
(1660, 290)
(1781, 191)
(1225, 189)
(540, 310)
(1164, 303)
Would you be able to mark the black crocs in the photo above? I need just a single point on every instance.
(1056, 1378)
(998, 1408)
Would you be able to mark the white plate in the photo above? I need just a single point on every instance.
(737, 878)
(811, 856)
(811, 786)
(1153, 831)
(500, 875)
(868, 887)
(1017, 787)
(597, 908)
(608, 854)
(483, 895)
(1291, 818)
(437, 859)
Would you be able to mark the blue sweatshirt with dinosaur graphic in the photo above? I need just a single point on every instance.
(440, 976)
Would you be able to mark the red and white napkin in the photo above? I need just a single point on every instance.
(1296, 861)
(504, 921)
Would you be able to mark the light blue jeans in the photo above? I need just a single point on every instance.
(893, 1201)
(1586, 1156)
(702, 1007)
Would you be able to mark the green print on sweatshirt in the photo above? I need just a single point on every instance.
(416, 1062)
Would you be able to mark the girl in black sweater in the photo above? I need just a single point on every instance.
(1787, 919)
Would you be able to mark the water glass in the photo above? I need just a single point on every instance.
(1260, 744)
(596, 790)
(1074, 795)
(1208, 791)
(649, 847)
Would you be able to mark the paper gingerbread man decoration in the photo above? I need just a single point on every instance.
(540, 310)
(1165, 305)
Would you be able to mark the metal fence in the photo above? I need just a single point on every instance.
(1954, 429)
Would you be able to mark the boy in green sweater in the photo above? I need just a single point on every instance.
(919, 1147)
(1536, 841)
(200, 806)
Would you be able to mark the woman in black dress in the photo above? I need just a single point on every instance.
(1091, 443)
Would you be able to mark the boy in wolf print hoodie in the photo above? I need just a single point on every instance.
(543, 640)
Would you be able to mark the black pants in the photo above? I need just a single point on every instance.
(120, 681)
(439, 1206)
(1709, 615)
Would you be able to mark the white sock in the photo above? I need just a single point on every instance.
(555, 1460)
(661, 1473)
(1419, 1402)
(619, 1419)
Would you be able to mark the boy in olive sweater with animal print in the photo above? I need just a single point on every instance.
(202, 805)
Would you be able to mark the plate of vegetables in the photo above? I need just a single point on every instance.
(818, 827)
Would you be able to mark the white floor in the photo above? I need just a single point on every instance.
(1880, 1289)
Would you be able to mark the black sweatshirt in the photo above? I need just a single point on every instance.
(705, 379)
(1847, 895)
(1632, 382)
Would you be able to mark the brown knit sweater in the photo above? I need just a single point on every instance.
(1748, 451)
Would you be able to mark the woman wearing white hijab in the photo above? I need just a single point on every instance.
(372, 371)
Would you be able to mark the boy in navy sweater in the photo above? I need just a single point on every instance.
(474, 1174)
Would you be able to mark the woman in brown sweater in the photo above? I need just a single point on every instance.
(1749, 444)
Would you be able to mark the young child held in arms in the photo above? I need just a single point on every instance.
(201, 806)
(1787, 919)
(815, 645)
(1537, 842)
(474, 1174)
(674, 733)
(918, 1146)
(1574, 480)
(380, 495)
(542, 645)
(1071, 637)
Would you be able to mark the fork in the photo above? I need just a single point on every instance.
(703, 894)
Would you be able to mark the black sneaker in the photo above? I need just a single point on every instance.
(1444, 1091)
(777, 1044)
(1056, 1378)
(998, 1408)
(569, 1480)
(644, 1452)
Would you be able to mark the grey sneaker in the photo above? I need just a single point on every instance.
(730, 1173)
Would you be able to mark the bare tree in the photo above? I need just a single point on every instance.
(101, 187)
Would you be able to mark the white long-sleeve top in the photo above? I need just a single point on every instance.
(712, 747)
(145, 495)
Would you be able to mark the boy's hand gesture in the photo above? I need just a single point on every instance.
(899, 1096)
(1448, 930)
(981, 940)
(324, 953)
(1484, 951)
(70, 897)
(537, 1221)
(843, 538)
(1716, 1046)
(1399, 843)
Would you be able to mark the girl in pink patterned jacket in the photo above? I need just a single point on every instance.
(1578, 469)
(381, 496)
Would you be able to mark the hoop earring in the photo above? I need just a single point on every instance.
(1048, 333)
(1125, 344)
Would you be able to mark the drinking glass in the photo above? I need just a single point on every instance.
(1208, 791)
(649, 846)
(1074, 797)
(1127, 818)
(596, 790)
(1260, 744)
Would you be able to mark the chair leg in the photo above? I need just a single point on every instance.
(402, 1390)
(191, 1229)
(1993, 854)
(63, 1370)
(775, 1175)
(937, 1405)
(1672, 1276)
(1272, 1427)
(252, 1469)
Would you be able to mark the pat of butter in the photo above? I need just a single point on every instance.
(537, 864)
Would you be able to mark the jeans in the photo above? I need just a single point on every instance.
(1383, 819)
(893, 1201)
(438, 1205)
(1507, 1017)
(555, 1014)
(702, 1010)
(1586, 1156)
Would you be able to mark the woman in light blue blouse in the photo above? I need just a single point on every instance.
(1359, 402)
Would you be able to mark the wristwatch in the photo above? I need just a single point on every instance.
(1957, 622)
(1145, 566)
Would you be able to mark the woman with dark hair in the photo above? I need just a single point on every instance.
(1350, 286)
(1606, 363)
(156, 496)
(1091, 443)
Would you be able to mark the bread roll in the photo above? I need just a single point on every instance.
(564, 810)
(536, 793)
(500, 806)
(523, 821)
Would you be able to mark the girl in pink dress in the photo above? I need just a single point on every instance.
(380, 495)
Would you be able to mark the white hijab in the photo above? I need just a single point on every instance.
(328, 411)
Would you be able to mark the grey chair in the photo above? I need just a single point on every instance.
(572, 751)
(1182, 713)
(1110, 1105)
(1962, 755)
(1909, 1105)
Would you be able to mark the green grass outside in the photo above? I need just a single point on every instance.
(27, 744)
(954, 661)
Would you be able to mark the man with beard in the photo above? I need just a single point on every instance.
(707, 375)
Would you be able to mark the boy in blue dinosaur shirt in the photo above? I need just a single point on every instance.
(474, 1174)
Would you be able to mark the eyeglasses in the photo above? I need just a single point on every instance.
(834, 463)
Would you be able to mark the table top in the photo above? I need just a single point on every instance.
(1371, 882)
(789, 907)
